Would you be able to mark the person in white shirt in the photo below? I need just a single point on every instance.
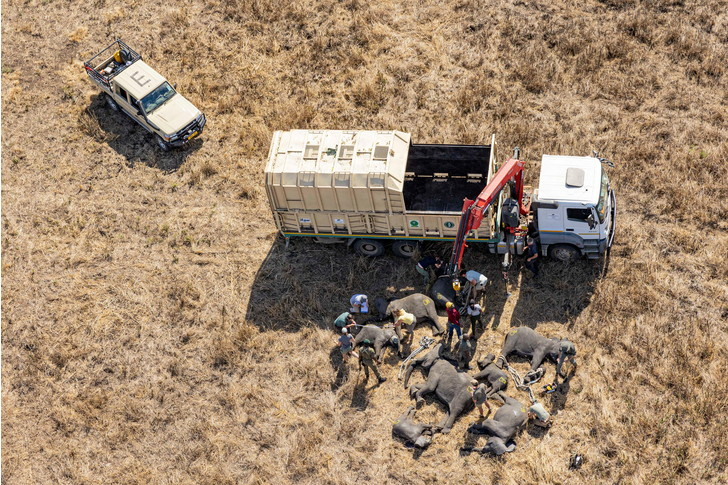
(475, 317)
(477, 283)
(359, 304)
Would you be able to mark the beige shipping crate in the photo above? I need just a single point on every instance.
(375, 185)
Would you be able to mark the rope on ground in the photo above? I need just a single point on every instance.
(518, 380)
(425, 342)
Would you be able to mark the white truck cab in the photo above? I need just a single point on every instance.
(574, 207)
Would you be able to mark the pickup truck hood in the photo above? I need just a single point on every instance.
(174, 115)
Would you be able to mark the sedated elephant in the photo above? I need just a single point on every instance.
(419, 305)
(418, 434)
(524, 341)
(450, 386)
(425, 361)
(379, 337)
(496, 379)
(503, 427)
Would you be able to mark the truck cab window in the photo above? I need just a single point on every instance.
(121, 92)
(578, 214)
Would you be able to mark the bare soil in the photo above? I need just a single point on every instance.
(156, 330)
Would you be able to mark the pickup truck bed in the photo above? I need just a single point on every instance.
(109, 62)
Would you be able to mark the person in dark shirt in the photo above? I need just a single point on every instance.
(532, 256)
(427, 266)
(453, 322)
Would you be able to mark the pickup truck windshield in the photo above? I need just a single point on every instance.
(158, 97)
(603, 197)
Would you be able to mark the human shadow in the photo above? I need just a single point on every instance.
(129, 139)
(342, 370)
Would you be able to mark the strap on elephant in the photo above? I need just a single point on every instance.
(425, 342)
(520, 383)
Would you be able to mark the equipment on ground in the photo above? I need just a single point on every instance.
(425, 342)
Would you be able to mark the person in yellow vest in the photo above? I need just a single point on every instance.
(401, 317)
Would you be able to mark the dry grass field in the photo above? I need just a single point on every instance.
(156, 330)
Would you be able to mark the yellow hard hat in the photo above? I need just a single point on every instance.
(117, 56)
(456, 285)
(448, 304)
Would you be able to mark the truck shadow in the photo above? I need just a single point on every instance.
(128, 139)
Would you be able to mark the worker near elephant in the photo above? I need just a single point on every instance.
(453, 322)
(345, 320)
(567, 351)
(478, 394)
(477, 283)
(367, 358)
(428, 266)
(403, 318)
(346, 344)
(475, 316)
(465, 352)
(359, 303)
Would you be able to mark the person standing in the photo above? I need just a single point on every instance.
(359, 303)
(367, 358)
(453, 322)
(475, 317)
(465, 351)
(478, 395)
(346, 344)
(532, 256)
(567, 351)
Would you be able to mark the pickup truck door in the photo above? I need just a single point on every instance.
(128, 103)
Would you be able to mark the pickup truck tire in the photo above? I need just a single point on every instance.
(163, 145)
(111, 103)
(369, 247)
(404, 248)
(564, 253)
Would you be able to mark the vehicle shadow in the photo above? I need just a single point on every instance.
(129, 139)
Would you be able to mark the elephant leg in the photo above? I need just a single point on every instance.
(509, 346)
(494, 392)
(429, 386)
(455, 408)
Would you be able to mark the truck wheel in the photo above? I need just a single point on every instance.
(163, 145)
(564, 253)
(369, 247)
(404, 248)
(111, 103)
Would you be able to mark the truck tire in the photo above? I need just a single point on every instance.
(369, 247)
(404, 248)
(163, 145)
(565, 253)
(111, 103)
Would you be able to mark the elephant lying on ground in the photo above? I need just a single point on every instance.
(525, 342)
(425, 361)
(496, 379)
(503, 427)
(450, 386)
(418, 434)
(443, 292)
(379, 337)
(419, 305)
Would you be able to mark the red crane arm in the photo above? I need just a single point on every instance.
(473, 211)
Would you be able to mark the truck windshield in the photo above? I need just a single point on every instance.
(603, 197)
(158, 97)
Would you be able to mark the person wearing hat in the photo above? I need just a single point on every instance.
(475, 316)
(359, 303)
(567, 351)
(367, 358)
(345, 320)
(403, 318)
(346, 344)
(478, 395)
(453, 322)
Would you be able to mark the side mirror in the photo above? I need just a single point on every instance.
(174, 85)
(591, 221)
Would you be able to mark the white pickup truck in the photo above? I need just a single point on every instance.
(145, 95)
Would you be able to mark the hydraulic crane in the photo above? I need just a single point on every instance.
(474, 210)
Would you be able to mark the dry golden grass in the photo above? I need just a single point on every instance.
(155, 330)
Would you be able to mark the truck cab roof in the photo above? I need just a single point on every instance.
(570, 179)
(139, 79)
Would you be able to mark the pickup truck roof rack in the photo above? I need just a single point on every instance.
(95, 65)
